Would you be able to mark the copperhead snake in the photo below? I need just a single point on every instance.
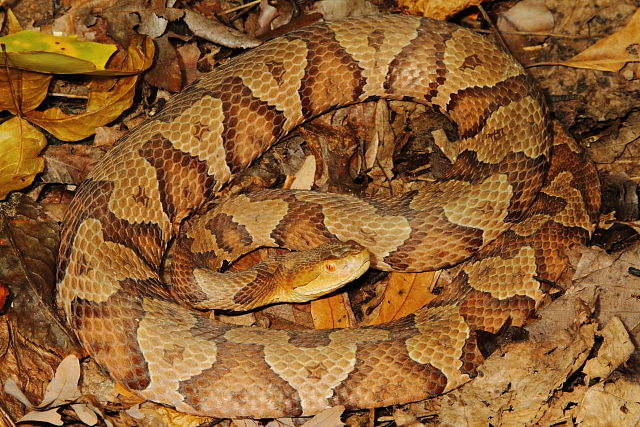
(507, 206)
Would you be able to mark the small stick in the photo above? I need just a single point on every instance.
(234, 9)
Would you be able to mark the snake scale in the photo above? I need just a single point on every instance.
(519, 193)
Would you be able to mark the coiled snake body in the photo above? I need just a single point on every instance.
(498, 205)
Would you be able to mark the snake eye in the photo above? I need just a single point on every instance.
(329, 267)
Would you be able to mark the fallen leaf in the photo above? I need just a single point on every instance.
(70, 163)
(50, 416)
(304, 177)
(167, 73)
(189, 55)
(44, 53)
(29, 243)
(612, 404)
(31, 331)
(22, 91)
(517, 381)
(612, 52)
(86, 414)
(328, 418)
(20, 144)
(151, 414)
(103, 106)
(437, 9)
(338, 9)
(615, 350)
(63, 388)
(209, 28)
(13, 25)
(331, 312)
(405, 294)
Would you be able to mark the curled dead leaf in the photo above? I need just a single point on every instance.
(21, 145)
(612, 52)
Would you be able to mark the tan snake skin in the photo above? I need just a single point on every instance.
(125, 214)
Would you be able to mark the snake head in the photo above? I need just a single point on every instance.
(317, 272)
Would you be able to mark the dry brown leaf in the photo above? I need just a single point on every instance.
(209, 28)
(304, 177)
(437, 9)
(244, 423)
(332, 10)
(27, 90)
(612, 52)
(189, 55)
(70, 163)
(282, 422)
(517, 381)
(50, 416)
(615, 350)
(610, 404)
(166, 74)
(590, 260)
(28, 247)
(327, 418)
(21, 145)
(104, 105)
(405, 293)
(62, 390)
(330, 313)
(615, 288)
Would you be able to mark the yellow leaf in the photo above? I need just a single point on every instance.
(13, 25)
(405, 293)
(437, 9)
(330, 313)
(20, 144)
(612, 52)
(103, 106)
(27, 90)
(44, 53)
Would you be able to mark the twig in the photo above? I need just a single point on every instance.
(531, 33)
(234, 9)
(386, 176)
(68, 95)
(494, 29)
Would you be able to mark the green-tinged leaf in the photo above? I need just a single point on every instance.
(103, 106)
(44, 53)
(20, 145)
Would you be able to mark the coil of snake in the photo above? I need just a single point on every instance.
(506, 206)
